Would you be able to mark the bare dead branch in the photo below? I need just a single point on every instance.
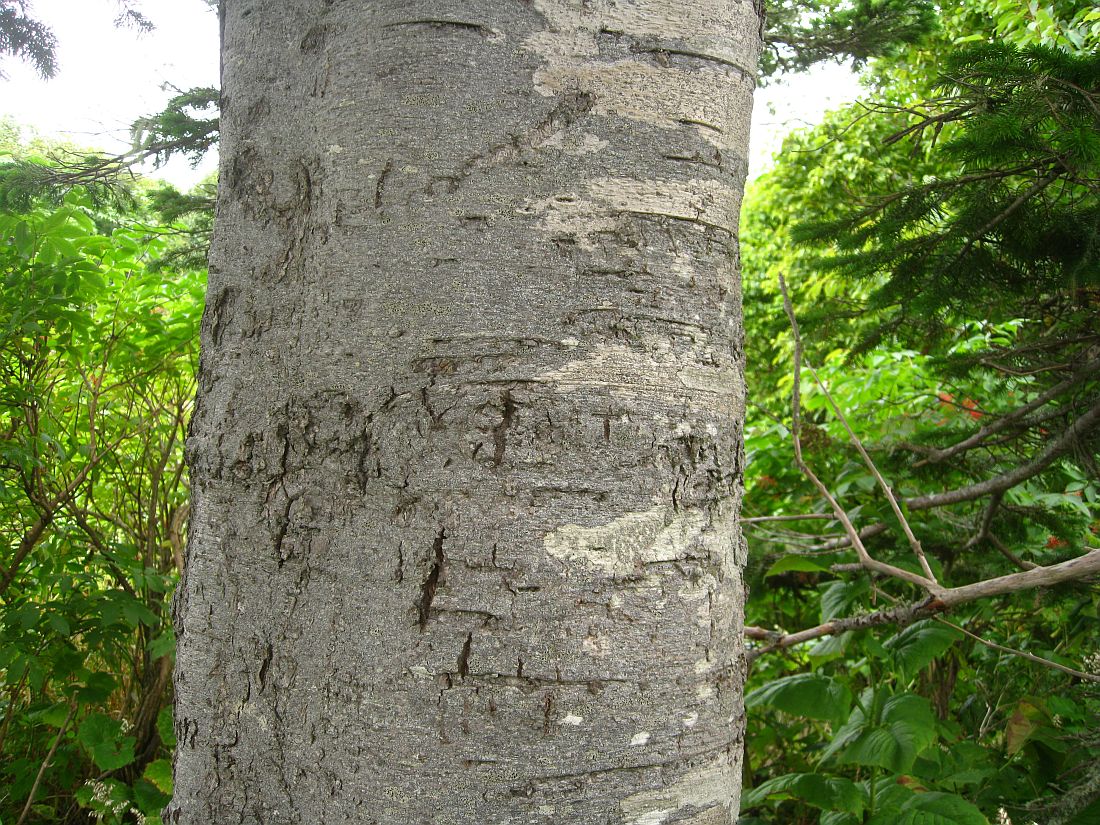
(761, 519)
(999, 484)
(1031, 657)
(903, 615)
(914, 542)
(1004, 422)
(842, 517)
(45, 765)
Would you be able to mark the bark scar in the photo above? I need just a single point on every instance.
(380, 187)
(464, 657)
(500, 431)
(264, 667)
(427, 590)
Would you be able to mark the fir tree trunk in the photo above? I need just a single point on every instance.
(467, 450)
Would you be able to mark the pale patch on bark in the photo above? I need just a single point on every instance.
(585, 144)
(705, 787)
(656, 18)
(639, 739)
(664, 97)
(624, 545)
(571, 719)
(659, 94)
(595, 645)
(625, 371)
(599, 207)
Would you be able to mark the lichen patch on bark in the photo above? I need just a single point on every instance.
(630, 541)
(654, 91)
(605, 202)
(703, 790)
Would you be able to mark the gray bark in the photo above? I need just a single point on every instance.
(467, 451)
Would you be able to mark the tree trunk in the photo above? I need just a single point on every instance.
(467, 450)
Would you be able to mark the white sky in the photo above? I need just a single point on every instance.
(109, 77)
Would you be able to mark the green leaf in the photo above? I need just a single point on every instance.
(890, 736)
(102, 738)
(919, 644)
(932, 809)
(97, 689)
(135, 613)
(23, 239)
(789, 564)
(830, 793)
(1026, 719)
(163, 645)
(837, 598)
(149, 797)
(54, 715)
(59, 623)
(804, 694)
(165, 727)
(831, 647)
(160, 774)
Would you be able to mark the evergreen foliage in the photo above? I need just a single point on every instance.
(24, 37)
(1017, 216)
(801, 33)
(946, 276)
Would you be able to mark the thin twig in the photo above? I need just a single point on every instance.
(905, 614)
(1031, 657)
(758, 519)
(45, 764)
(842, 516)
(936, 455)
(914, 542)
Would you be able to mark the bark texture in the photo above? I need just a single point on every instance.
(467, 452)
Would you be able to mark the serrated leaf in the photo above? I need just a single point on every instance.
(830, 793)
(102, 738)
(919, 644)
(904, 728)
(804, 694)
(800, 564)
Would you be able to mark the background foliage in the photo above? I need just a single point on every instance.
(97, 358)
(946, 278)
(947, 281)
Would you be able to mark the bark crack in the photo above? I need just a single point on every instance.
(443, 24)
(380, 187)
(500, 432)
(428, 588)
(264, 666)
(464, 657)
